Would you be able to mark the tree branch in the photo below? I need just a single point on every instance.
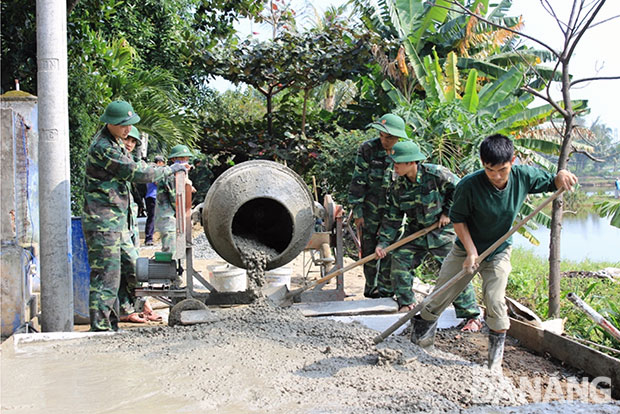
(573, 83)
(586, 153)
(569, 51)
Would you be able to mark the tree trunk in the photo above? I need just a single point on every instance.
(558, 204)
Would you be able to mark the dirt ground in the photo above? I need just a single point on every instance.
(265, 359)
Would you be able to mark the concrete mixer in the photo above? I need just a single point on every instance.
(262, 205)
(257, 205)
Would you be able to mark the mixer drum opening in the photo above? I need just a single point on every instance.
(266, 221)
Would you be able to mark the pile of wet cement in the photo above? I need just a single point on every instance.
(275, 360)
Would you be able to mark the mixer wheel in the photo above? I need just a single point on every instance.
(186, 304)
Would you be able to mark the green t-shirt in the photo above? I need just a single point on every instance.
(489, 212)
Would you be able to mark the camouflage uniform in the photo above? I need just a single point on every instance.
(201, 177)
(423, 202)
(368, 192)
(165, 214)
(107, 221)
(130, 243)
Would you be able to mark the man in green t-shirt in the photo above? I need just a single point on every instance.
(485, 205)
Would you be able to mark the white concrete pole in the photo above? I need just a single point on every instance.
(54, 176)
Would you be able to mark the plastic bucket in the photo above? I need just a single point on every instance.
(279, 277)
(228, 278)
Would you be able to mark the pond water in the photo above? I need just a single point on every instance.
(590, 237)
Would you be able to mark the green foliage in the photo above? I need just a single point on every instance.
(334, 166)
(294, 61)
(142, 51)
(609, 208)
(528, 284)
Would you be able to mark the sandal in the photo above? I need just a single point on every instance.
(134, 318)
(472, 325)
(152, 316)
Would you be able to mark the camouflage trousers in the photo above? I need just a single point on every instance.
(166, 225)
(112, 258)
(376, 271)
(404, 262)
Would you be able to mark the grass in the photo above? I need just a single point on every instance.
(528, 283)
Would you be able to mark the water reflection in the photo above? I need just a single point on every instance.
(590, 237)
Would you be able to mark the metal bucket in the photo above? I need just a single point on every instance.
(262, 201)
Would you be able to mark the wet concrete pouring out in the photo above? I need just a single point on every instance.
(255, 256)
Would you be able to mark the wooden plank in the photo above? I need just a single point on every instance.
(529, 336)
(344, 308)
(591, 361)
(572, 353)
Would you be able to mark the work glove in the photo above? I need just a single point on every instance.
(178, 167)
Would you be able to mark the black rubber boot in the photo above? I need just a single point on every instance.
(423, 332)
(496, 350)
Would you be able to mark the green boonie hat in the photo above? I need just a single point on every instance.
(179, 151)
(407, 151)
(119, 113)
(134, 133)
(390, 123)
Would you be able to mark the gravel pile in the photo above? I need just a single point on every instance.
(203, 249)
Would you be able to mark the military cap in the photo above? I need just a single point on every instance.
(391, 124)
(134, 133)
(119, 113)
(407, 151)
(179, 151)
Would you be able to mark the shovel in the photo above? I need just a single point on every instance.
(282, 297)
(463, 273)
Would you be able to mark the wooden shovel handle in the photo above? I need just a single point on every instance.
(463, 273)
(365, 260)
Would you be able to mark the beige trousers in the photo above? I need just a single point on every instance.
(494, 278)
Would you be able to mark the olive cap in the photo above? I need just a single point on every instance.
(391, 124)
(119, 113)
(179, 151)
(407, 151)
(134, 133)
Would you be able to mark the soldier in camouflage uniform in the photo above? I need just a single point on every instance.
(368, 191)
(107, 218)
(423, 192)
(165, 211)
(201, 177)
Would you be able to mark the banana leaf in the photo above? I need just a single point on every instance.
(470, 99)
(453, 82)
(394, 93)
(489, 69)
(435, 14)
(502, 88)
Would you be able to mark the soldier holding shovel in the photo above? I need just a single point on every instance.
(424, 193)
(368, 191)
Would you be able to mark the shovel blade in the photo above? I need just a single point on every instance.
(279, 295)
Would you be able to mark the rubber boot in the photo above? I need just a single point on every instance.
(496, 350)
(423, 332)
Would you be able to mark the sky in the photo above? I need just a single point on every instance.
(596, 54)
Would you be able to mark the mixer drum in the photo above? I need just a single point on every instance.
(262, 201)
